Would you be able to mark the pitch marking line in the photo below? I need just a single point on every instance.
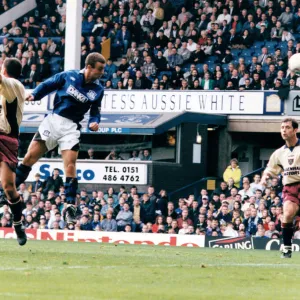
(259, 265)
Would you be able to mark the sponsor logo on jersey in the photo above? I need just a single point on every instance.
(72, 91)
(46, 133)
(92, 95)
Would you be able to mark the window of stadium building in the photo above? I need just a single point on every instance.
(160, 147)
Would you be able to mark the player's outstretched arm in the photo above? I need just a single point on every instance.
(48, 86)
(266, 176)
(272, 170)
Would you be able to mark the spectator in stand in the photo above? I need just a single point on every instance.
(53, 183)
(87, 25)
(271, 230)
(146, 155)
(184, 218)
(43, 70)
(113, 155)
(37, 185)
(174, 59)
(256, 183)
(233, 171)
(207, 83)
(4, 32)
(110, 69)
(149, 68)
(138, 215)
(32, 77)
(109, 224)
(223, 189)
(124, 217)
(61, 8)
(251, 223)
(147, 21)
(184, 52)
(149, 208)
(134, 156)
(123, 38)
(15, 30)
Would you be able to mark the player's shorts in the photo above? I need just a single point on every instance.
(291, 192)
(58, 131)
(9, 150)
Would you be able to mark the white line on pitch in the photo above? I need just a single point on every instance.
(259, 265)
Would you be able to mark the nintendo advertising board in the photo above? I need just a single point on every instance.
(154, 239)
(109, 237)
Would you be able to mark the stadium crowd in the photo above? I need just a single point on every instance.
(167, 44)
(229, 210)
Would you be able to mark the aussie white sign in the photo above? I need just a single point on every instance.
(177, 101)
(225, 102)
(96, 172)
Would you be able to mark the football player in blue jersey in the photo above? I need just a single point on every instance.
(76, 93)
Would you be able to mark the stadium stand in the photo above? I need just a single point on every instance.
(185, 34)
(6, 5)
(171, 44)
(229, 210)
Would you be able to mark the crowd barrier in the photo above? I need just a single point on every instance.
(156, 239)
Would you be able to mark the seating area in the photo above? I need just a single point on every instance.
(226, 45)
(6, 5)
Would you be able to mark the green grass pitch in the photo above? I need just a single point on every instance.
(65, 270)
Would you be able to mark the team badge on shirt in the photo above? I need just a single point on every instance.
(46, 133)
(91, 94)
(290, 161)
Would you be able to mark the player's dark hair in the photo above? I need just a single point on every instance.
(93, 58)
(13, 67)
(293, 121)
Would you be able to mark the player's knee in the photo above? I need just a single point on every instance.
(289, 211)
(70, 168)
(9, 189)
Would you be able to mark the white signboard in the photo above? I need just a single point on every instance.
(36, 106)
(232, 102)
(97, 172)
(221, 102)
(42, 105)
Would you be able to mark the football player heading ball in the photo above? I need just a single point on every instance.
(77, 92)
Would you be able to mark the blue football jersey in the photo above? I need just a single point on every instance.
(74, 97)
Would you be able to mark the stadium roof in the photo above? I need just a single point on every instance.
(143, 124)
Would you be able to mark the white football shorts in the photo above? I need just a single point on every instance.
(57, 130)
